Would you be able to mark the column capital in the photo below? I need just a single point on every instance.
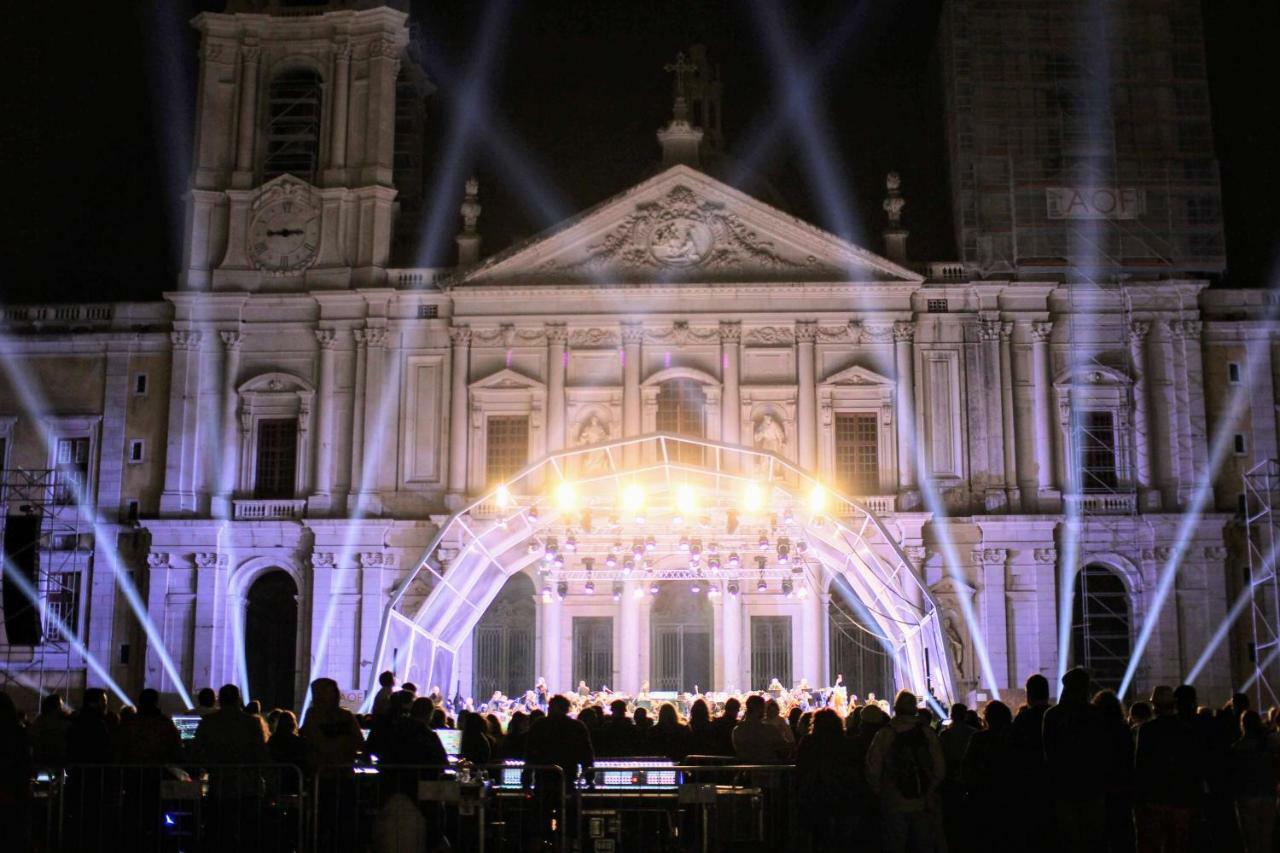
(557, 333)
(186, 339)
(1041, 331)
(375, 336)
(1185, 328)
(250, 51)
(990, 329)
(1138, 330)
(632, 333)
(342, 50)
(904, 331)
(806, 331)
(230, 340)
(460, 335)
(730, 331)
(1006, 332)
(326, 338)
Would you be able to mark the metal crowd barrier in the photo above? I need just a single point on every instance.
(168, 808)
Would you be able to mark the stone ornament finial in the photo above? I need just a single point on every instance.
(894, 202)
(680, 68)
(471, 205)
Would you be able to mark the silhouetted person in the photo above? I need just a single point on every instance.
(864, 724)
(1118, 771)
(955, 741)
(756, 741)
(670, 737)
(386, 687)
(1168, 778)
(287, 746)
(49, 732)
(1076, 759)
(702, 736)
(149, 736)
(1253, 773)
(89, 735)
(559, 740)
(332, 731)
(905, 767)
(15, 777)
(724, 725)
(206, 703)
(1033, 803)
(616, 737)
(513, 745)
(825, 781)
(990, 776)
(476, 746)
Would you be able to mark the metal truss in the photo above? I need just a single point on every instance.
(1262, 538)
(693, 489)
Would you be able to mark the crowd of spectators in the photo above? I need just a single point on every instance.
(1084, 774)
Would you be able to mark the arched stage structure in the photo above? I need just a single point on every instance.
(625, 516)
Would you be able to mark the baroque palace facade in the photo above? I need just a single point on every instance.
(265, 454)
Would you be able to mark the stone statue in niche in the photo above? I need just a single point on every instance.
(593, 432)
(954, 640)
(770, 435)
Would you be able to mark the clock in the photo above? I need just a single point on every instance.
(284, 236)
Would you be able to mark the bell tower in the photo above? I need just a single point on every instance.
(292, 186)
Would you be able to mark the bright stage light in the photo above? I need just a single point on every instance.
(761, 586)
(817, 499)
(566, 496)
(753, 498)
(633, 499)
(653, 588)
(686, 500)
(733, 588)
(502, 497)
(546, 595)
(638, 592)
(589, 587)
(617, 591)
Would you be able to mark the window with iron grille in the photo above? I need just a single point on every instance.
(506, 446)
(277, 459)
(62, 604)
(681, 411)
(293, 125)
(593, 650)
(1096, 434)
(857, 452)
(428, 312)
(856, 652)
(936, 306)
(504, 638)
(1101, 630)
(770, 651)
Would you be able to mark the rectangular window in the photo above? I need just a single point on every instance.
(593, 650)
(506, 446)
(131, 511)
(1096, 435)
(137, 450)
(1239, 442)
(936, 306)
(277, 459)
(770, 651)
(72, 470)
(857, 453)
(1233, 372)
(62, 604)
(428, 312)
(140, 384)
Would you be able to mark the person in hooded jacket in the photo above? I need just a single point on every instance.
(905, 768)
(989, 773)
(825, 781)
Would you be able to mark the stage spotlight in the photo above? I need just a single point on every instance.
(713, 548)
(502, 497)
(762, 563)
(817, 499)
(589, 587)
(617, 591)
(653, 588)
(562, 589)
(650, 544)
(637, 548)
(532, 547)
(787, 589)
(611, 561)
(734, 560)
(546, 595)
(558, 562)
(761, 586)
(638, 592)
(633, 500)
(802, 545)
(628, 566)
(753, 498)
(552, 546)
(788, 517)
(695, 548)
(532, 513)
(566, 496)
(784, 551)
(731, 521)
(695, 587)
(571, 543)
(763, 542)
(615, 548)
(684, 543)
(589, 563)
(733, 588)
(686, 500)
(713, 564)
(712, 591)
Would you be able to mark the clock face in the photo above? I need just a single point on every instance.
(285, 236)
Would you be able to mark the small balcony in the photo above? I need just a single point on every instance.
(269, 510)
(1104, 503)
(878, 504)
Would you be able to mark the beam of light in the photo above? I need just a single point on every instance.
(1240, 606)
(104, 542)
(462, 130)
(1238, 399)
(48, 617)
(814, 137)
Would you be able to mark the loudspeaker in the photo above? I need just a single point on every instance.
(21, 550)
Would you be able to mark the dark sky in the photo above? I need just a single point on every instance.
(96, 136)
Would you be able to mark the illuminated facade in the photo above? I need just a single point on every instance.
(273, 447)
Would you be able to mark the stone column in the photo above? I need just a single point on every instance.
(179, 495)
(551, 631)
(1008, 415)
(389, 442)
(357, 419)
(731, 641)
(1148, 498)
(996, 498)
(1040, 368)
(557, 361)
(248, 109)
(632, 336)
(806, 396)
(458, 408)
(629, 639)
(228, 443)
(815, 616)
(730, 404)
(338, 129)
(904, 333)
(375, 338)
(324, 457)
(1196, 422)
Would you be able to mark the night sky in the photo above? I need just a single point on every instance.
(96, 129)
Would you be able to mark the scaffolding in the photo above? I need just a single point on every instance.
(63, 544)
(1262, 538)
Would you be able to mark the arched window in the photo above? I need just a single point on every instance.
(271, 639)
(504, 641)
(1101, 636)
(682, 411)
(856, 650)
(293, 125)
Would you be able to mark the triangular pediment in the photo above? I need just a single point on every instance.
(507, 379)
(857, 375)
(684, 226)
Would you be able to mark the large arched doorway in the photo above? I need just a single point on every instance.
(856, 650)
(680, 626)
(503, 642)
(1101, 628)
(271, 639)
